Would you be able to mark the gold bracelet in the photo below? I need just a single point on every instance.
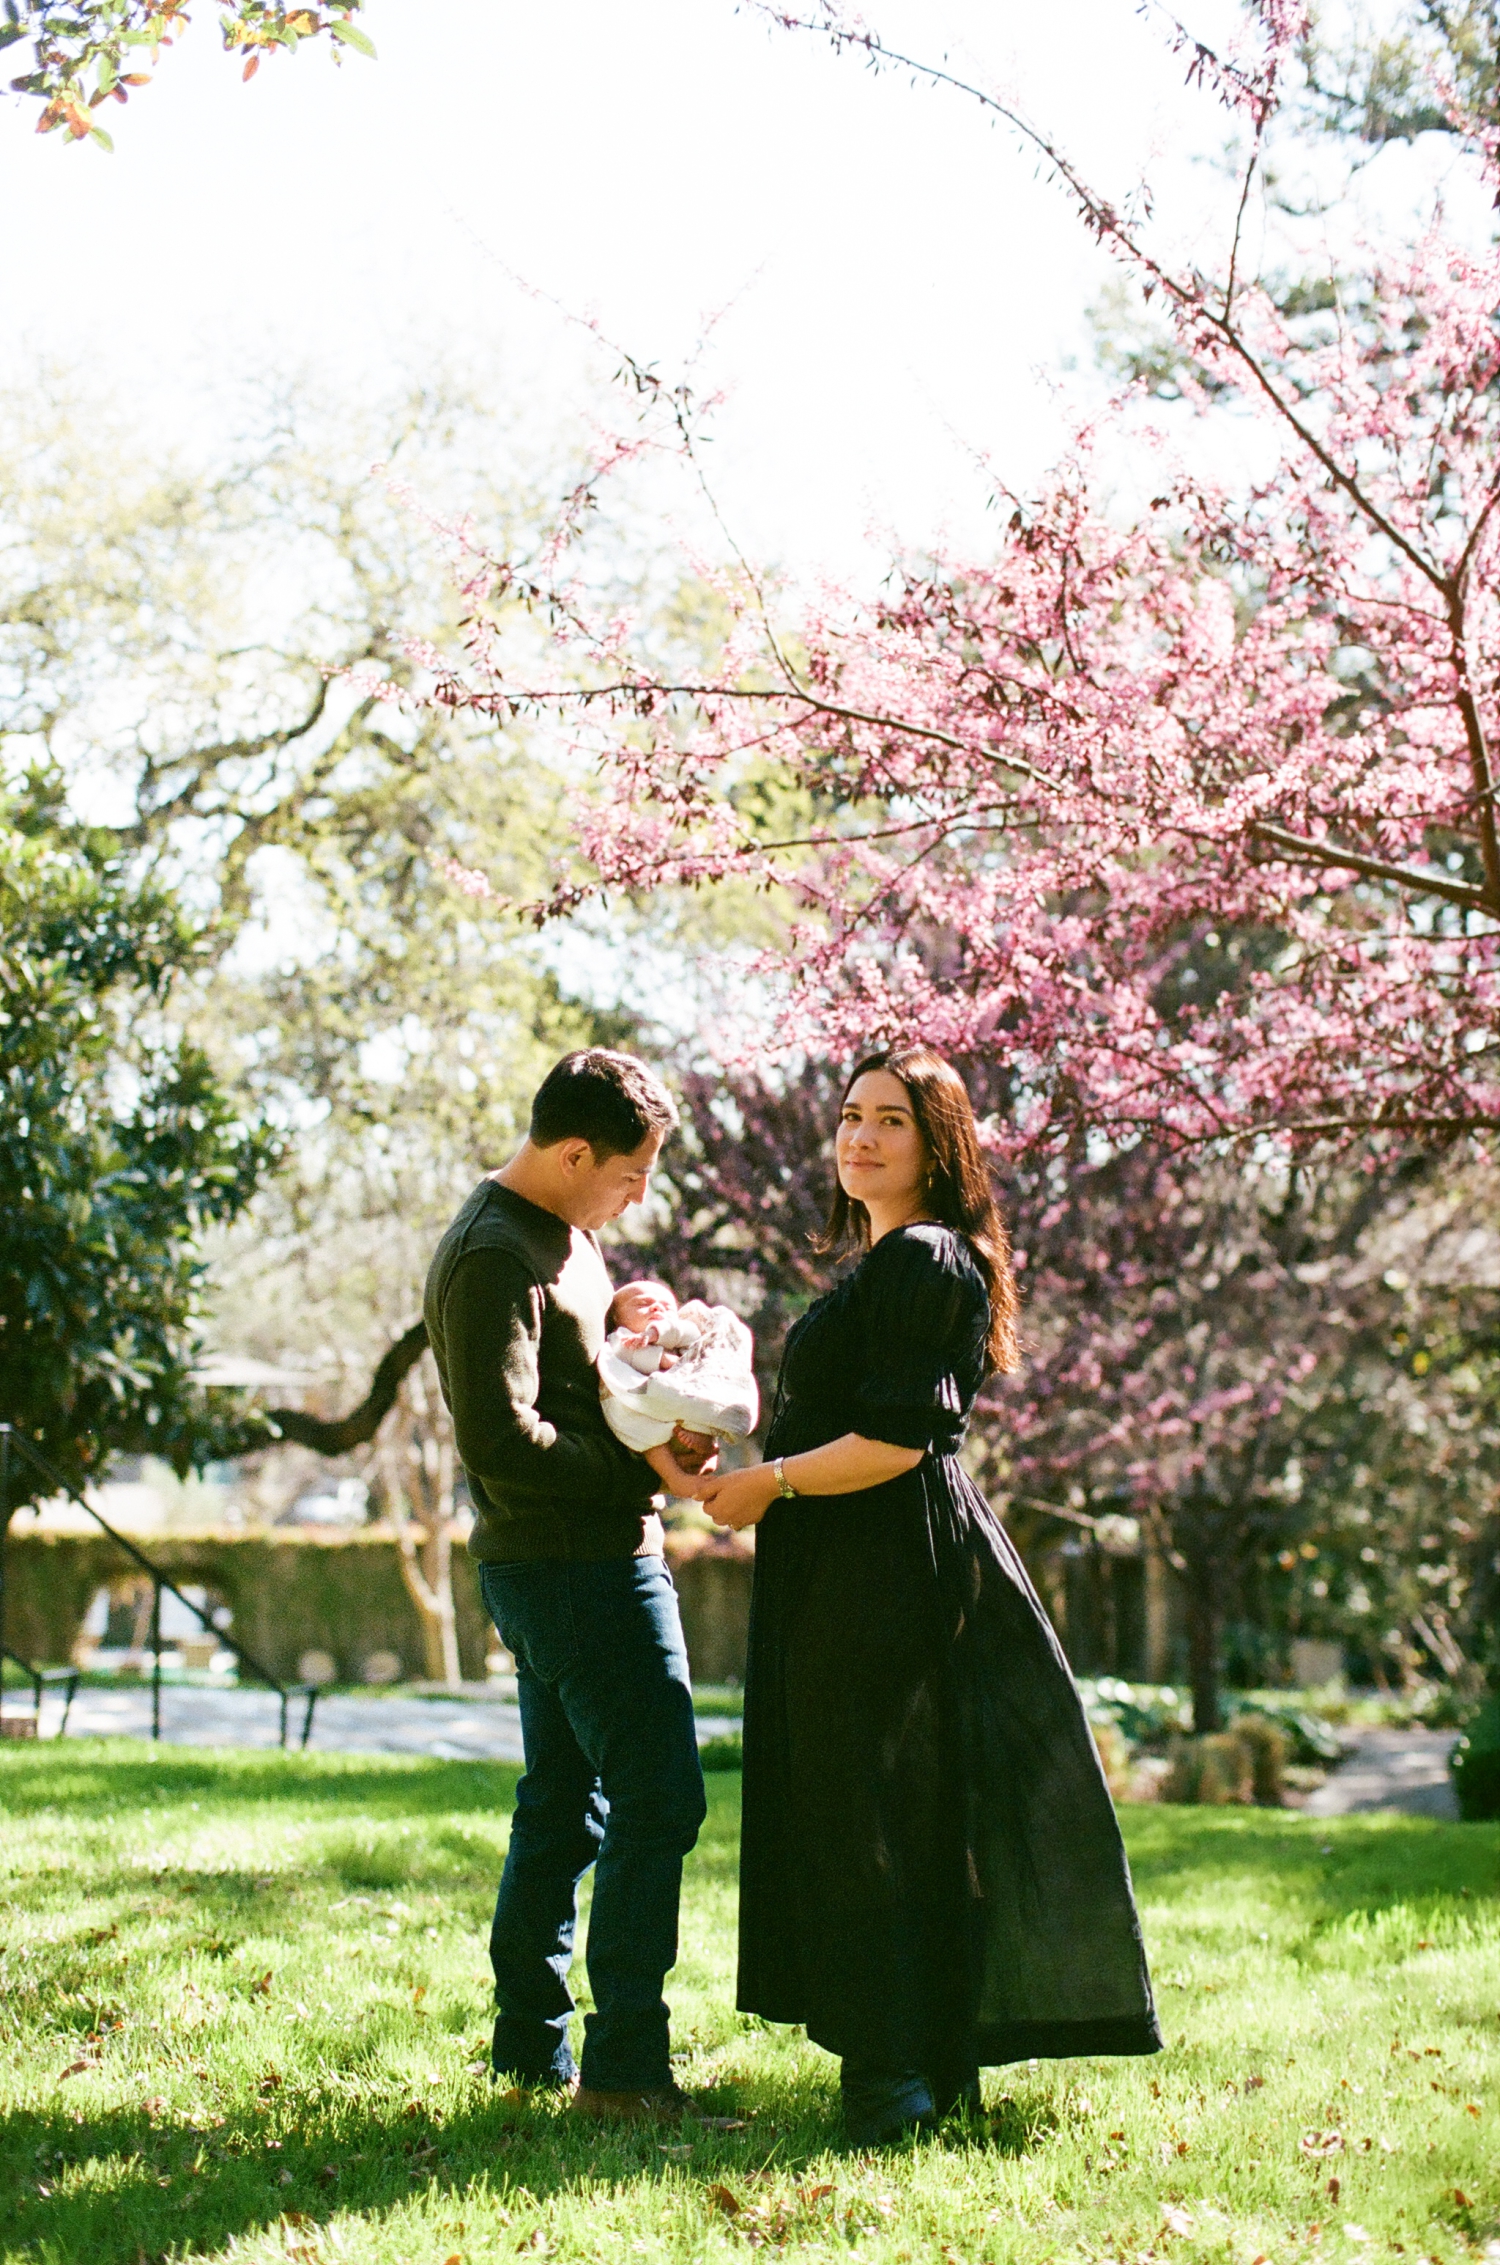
(784, 1486)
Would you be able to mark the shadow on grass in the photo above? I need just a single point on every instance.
(150, 2187)
(100, 1777)
(1333, 1867)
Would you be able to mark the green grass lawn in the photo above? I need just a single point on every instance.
(244, 2001)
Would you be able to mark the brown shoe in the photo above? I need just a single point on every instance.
(666, 2105)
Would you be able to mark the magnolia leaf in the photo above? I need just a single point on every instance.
(352, 36)
(105, 141)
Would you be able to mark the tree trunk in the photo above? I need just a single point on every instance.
(427, 1569)
(1158, 1612)
(1203, 1647)
(418, 1467)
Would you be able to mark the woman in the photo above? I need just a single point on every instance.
(931, 1873)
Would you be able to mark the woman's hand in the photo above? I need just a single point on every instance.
(687, 1486)
(740, 1498)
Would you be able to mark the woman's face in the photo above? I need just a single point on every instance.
(882, 1158)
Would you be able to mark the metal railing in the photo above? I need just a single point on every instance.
(15, 1442)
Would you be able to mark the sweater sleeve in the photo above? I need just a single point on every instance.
(919, 1310)
(492, 1324)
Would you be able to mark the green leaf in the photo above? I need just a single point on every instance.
(106, 74)
(354, 37)
(10, 33)
(105, 141)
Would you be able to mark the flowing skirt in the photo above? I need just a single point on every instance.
(931, 1868)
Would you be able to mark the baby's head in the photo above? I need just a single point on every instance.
(638, 1304)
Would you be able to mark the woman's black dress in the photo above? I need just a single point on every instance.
(931, 1871)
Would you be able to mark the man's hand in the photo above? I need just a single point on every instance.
(688, 1486)
(740, 1498)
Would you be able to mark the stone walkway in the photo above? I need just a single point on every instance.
(1390, 1769)
(452, 1729)
(1386, 1769)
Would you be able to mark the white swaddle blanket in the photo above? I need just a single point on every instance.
(711, 1386)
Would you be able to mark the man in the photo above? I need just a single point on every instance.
(570, 1555)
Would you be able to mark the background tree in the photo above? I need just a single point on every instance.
(119, 1149)
(177, 638)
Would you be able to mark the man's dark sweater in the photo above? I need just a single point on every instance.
(515, 1307)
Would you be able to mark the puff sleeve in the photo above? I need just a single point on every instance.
(922, 1313)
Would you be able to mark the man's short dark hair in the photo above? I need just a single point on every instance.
(610, 1100)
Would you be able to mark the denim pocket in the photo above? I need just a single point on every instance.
(532, 1606)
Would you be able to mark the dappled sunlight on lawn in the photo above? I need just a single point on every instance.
(246, 2005)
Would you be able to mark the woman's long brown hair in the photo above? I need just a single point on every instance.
(958, 1185)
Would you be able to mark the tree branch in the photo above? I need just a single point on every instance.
(335, 1435)
(1329, 855)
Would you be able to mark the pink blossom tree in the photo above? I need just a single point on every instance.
(1178, 830)
(1191, 818)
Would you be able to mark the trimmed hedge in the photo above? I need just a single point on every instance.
(293, 1591)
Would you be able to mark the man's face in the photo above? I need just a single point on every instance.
(600, 1189)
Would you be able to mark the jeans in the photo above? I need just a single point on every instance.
(612, 1774)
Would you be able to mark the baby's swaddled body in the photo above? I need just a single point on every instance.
(678, 1373)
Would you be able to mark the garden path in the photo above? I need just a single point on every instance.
(1390, 1769)
(1385, 1769)
(458, 1729)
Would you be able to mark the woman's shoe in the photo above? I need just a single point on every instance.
(955, 2092)
(878, 2109)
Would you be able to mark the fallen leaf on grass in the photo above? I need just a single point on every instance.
(78, 2068)
(262, 1988)
(724, 2123)
(808, 2195)
(1462, 2199)
(1352, 2232)
(455, 2259)
(1472, 2108)
(1175, 2221)
(678, 2154)
(722, 2198)
(1321, 2143)
(1333, 2190)
(285, 2179)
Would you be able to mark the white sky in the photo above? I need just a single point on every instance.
(904, 288)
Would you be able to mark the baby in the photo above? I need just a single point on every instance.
(678, 1373)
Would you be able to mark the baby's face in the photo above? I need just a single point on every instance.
(639, 1304)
